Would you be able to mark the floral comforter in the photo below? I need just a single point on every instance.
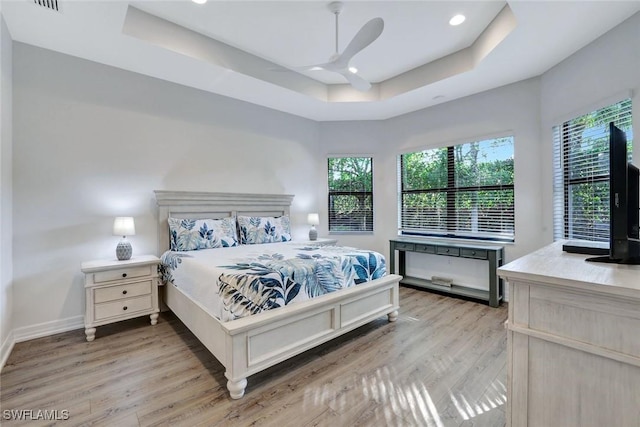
(240, 281)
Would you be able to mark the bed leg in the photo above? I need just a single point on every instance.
(393, 316)
(236, 388)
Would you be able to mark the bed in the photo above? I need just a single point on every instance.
(250, 344)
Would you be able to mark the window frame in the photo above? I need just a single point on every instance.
(332, 227)
(452, 220)
(563, 136)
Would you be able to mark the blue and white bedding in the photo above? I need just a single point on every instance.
(239, 281)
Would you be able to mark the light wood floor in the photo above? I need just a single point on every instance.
(443, 363)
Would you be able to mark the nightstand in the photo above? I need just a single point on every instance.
(321, 242)
(119, 290)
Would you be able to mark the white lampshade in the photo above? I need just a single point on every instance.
(124, 226)
(313, 219)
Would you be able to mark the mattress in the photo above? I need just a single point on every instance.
(234, 282)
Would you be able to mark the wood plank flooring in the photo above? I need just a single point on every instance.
(443, 363)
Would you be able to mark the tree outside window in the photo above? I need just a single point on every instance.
(350, 194)
(463, 190)
(581, 172)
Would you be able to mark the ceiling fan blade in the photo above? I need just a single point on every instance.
(356, 81)
(340, 62)
(367, 35)
(327, 66)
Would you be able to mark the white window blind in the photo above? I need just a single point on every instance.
(464, 191)
(581, 172)
(351, 194)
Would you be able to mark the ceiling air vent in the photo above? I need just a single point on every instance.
(49, 4)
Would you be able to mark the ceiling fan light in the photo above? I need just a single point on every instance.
(199, 1)
(353, 70)
(457, 20)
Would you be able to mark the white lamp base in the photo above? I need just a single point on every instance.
(124, 250)
(313, 233)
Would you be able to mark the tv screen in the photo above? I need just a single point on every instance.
(624, 243)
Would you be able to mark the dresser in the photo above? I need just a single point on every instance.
(119, 290)
(573, 341)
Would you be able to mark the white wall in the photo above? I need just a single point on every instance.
(92, 142)
(6, 298)
(510, 110)
(593, 77)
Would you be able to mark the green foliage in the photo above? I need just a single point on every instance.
(585, 151)
(479, 163)
(483, 163)
(424, 169)
(481, 181)
(352, 174)
(350, 193)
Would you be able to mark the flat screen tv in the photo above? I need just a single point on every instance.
(624, 189)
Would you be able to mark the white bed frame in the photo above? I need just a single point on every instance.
(251, 344)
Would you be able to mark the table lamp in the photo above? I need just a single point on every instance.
(124, 226)
(313, 219)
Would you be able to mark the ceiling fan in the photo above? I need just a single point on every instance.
(339, 62)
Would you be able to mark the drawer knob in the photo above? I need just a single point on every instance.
(124, 274)
(124, 292)
(447, 250)
(473, 252)
(124, 308)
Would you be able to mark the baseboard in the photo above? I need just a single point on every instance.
(40, 330)
(45, 329)
(6, 348)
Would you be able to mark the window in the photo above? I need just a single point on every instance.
(464, 190)
(351, 194)
(581, 172)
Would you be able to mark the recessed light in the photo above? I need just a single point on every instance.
(199, 1)
(353, 70)
(457, 20)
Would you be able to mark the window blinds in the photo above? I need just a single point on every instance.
(350, 194)
(581, 172)
(464, 190)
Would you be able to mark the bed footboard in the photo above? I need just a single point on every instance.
(251, 344)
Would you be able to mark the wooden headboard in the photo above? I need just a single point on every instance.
(198, 205)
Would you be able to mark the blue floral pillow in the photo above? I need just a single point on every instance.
(194, 234)
(264, 229)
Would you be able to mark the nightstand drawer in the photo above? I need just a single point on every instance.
(122, 307)
(118, 292)
(121, 273)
